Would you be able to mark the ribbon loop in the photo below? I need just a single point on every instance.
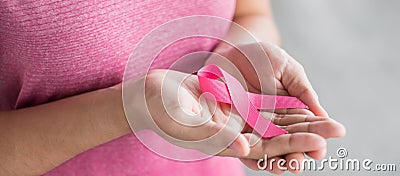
(246, 103)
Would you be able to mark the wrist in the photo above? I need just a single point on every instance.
(108, 103)
(135, 105)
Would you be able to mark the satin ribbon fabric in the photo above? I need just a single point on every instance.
(247, 104)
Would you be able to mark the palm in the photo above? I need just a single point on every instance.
(281, 75)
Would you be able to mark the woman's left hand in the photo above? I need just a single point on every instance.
(287, 77)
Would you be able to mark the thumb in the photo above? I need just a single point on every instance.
(240, 146)
(295, 80)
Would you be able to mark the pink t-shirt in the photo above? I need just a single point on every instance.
(50, 50)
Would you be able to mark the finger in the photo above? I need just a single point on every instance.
(250, 137)
(276, 165)
(326, 128)
(234, 124)
(293, 162)
(231, 130)
(212, 137)
(285, 144)
(293, 111)
(250, 163)
(285, 120)
(318, 154)
(225, 139)
(230, 112)
(209, 130)
(210, 121)
(295, 80)
(271, 165)
(268, 113)
(240, 146)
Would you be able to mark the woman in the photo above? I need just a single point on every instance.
(61, 66)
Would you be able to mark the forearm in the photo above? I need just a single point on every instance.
(256, 17)
(35, 140)
(262, 27)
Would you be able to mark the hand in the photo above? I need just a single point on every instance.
(290, 79)
(298, 124)
(175, 104)
(279, 71)
(307, 134)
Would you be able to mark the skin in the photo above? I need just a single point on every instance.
(307, 133)
(290, 79)
(34, 140)
(288, 76)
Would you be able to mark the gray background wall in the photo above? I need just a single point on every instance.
(350, 49)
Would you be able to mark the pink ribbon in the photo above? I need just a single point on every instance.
(246, 103)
